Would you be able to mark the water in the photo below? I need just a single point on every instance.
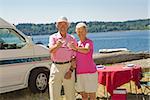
(133, 40)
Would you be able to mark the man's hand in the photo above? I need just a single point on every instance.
(68, 75)
(59, 43)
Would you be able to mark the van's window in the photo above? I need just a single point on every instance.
(10, 39)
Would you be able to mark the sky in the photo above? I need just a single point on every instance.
(47, 11)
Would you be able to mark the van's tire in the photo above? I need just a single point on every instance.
(38, 80)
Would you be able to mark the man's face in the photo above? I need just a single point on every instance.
(62, 26)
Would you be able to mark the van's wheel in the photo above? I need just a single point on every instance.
(38, 80)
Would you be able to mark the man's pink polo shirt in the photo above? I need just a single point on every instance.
(64, 53)
(85, 62)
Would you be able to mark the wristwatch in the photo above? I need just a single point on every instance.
(71, 69)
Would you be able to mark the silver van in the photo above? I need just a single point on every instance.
(22, 63)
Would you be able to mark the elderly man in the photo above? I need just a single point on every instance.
(63, 62)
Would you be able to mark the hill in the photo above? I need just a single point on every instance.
(93, 26)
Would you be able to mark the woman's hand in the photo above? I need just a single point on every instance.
(72, 46)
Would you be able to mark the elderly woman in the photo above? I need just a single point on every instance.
(86, 68)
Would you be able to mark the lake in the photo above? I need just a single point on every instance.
(132, 40)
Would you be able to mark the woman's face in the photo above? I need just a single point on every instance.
(81, 32)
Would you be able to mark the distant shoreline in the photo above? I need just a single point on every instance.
(93, 27)
(98, 32)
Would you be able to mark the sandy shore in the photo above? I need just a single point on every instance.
(144, 63)
(142, 59)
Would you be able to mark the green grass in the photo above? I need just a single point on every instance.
(26, 94)
(107, 64)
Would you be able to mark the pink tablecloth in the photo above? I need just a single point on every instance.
(116, 75)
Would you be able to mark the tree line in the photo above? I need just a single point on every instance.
(93, 27)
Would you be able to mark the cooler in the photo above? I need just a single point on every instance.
(119, 94)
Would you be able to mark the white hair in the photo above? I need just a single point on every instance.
(81, 25)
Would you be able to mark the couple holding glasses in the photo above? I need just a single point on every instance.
(67, 55)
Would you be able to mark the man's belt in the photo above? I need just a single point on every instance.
(61, 62)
